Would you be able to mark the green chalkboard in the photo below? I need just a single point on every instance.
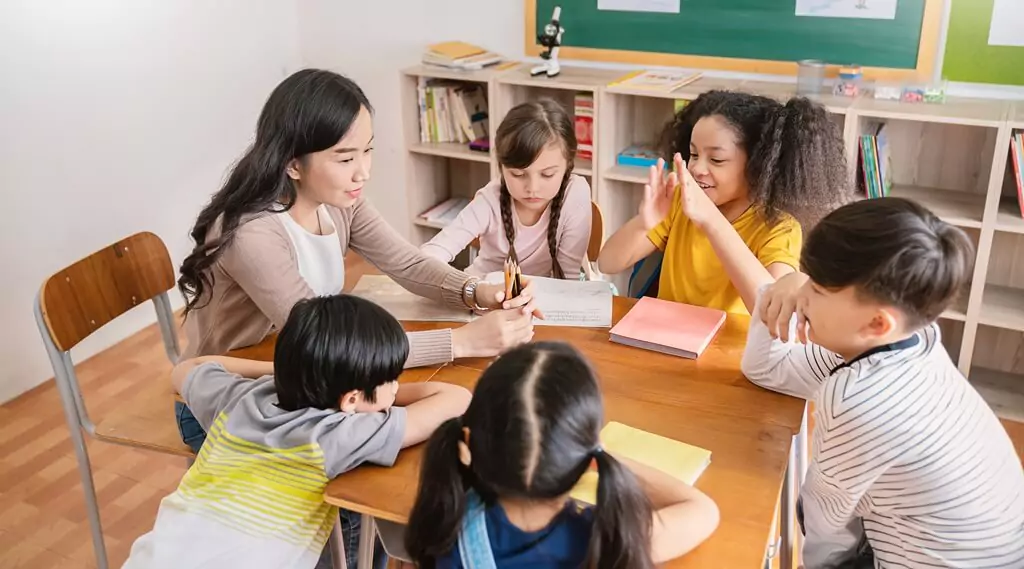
(766, 30)
(969, 57)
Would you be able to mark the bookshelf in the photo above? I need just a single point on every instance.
(951, 158)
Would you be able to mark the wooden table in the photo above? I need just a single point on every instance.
(706, 402)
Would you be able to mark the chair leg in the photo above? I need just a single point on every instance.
(85, 472)
(336, 544)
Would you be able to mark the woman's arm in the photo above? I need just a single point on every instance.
(683, 516)
(471, 223)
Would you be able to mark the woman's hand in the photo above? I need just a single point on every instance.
(778, 304)
(493, 333)
(695, 202)
(658, 192)
(492, 296)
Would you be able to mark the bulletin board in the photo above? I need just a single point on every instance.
(970, 57)
(756, 36)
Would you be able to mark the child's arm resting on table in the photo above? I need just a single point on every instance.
(790, 368)
(427, 405)
(683, 516)
(209, 384)
(250, 369)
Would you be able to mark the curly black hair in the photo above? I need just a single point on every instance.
(796, 160)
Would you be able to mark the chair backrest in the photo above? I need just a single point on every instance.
(596, 232)
(81, 298)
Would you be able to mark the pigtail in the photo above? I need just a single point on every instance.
(799, 164)
(441, 501)
(556, 212)
(505, 201)
(621, 538)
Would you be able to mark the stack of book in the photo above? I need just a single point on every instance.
(875, 163)
(583, 110)
(459, 55)
(655, 81)
(1017, 157)
(445, 212)
(453, 112)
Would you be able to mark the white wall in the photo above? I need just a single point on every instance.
(118, 117)
(371, 41)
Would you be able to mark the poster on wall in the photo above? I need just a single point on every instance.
(1007, 26)
(661, 6)
(868, 9)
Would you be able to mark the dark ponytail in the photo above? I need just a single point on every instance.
(521, 136)
(796, 157)
(534, 424)
(622, 519)
(437, 514)
(308, 112)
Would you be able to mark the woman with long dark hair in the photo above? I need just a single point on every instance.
(278, 230)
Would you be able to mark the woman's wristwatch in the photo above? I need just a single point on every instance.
(469, 294)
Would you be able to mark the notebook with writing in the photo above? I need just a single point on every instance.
(668, 327)
(683, 461)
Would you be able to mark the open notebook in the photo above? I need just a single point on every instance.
(668, 327)
(683, 461)
(564, 303)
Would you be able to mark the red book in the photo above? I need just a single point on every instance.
(584, 111)
(668, 327)
(1017, 157)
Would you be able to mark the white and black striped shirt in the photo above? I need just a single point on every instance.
(903, 442)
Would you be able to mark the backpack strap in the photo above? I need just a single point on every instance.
(474, 543)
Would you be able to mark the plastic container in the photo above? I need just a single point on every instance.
(810, 77)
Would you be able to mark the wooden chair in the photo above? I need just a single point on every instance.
(81, 299)
(596, 242)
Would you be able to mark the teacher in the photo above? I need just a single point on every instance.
(278, 230)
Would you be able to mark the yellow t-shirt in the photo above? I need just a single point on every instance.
(691, 272)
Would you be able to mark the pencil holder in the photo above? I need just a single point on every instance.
(810, 77)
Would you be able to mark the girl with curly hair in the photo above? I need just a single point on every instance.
(746, 168)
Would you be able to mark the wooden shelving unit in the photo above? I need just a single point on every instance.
(951, 157)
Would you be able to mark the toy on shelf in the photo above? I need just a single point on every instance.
(888, 92)
(551, 39)
(913, 94)
(849, 81)
(935, 93)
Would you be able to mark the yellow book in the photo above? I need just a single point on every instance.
(663, 81)
(454, 50)
(685, 462)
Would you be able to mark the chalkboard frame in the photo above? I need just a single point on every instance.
(927, 54)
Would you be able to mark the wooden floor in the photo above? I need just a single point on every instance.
(42, 512)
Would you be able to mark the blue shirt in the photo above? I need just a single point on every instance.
(563, 543)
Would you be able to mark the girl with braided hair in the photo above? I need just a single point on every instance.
(537, 211)
(747, 170)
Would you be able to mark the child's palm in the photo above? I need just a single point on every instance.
(658, 192)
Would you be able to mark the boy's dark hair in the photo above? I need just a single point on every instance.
(521, 136)
(796, 158)
(893, 251)
(331, 345)
(534, 428)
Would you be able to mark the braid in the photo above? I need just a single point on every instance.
(556, 212)
(506, 220)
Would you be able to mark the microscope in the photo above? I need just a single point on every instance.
(551, 39)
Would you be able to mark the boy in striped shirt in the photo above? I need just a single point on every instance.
(910, 467)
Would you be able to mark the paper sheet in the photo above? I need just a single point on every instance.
(869, 9)
(581, 304)
(662, 6)
(404, 305)
(1007, 26)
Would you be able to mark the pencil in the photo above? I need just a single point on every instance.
(517, 283)
(508, 279)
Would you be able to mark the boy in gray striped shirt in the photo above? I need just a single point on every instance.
(909, 465)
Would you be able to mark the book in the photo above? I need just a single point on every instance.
(451, 111)
(641, 155)
(662, 81)
(683, 461)
(459, 55)
(446, 211)
(668, 327)
(583, 110)
(1017, 157)
(884, 154)
(579, 304)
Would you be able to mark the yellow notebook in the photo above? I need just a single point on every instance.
(456, 49)
(685, 462)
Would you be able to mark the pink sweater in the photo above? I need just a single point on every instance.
(482, 219)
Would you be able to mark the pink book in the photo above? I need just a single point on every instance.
(668, 327)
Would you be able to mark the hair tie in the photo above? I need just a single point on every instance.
(597, 450)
